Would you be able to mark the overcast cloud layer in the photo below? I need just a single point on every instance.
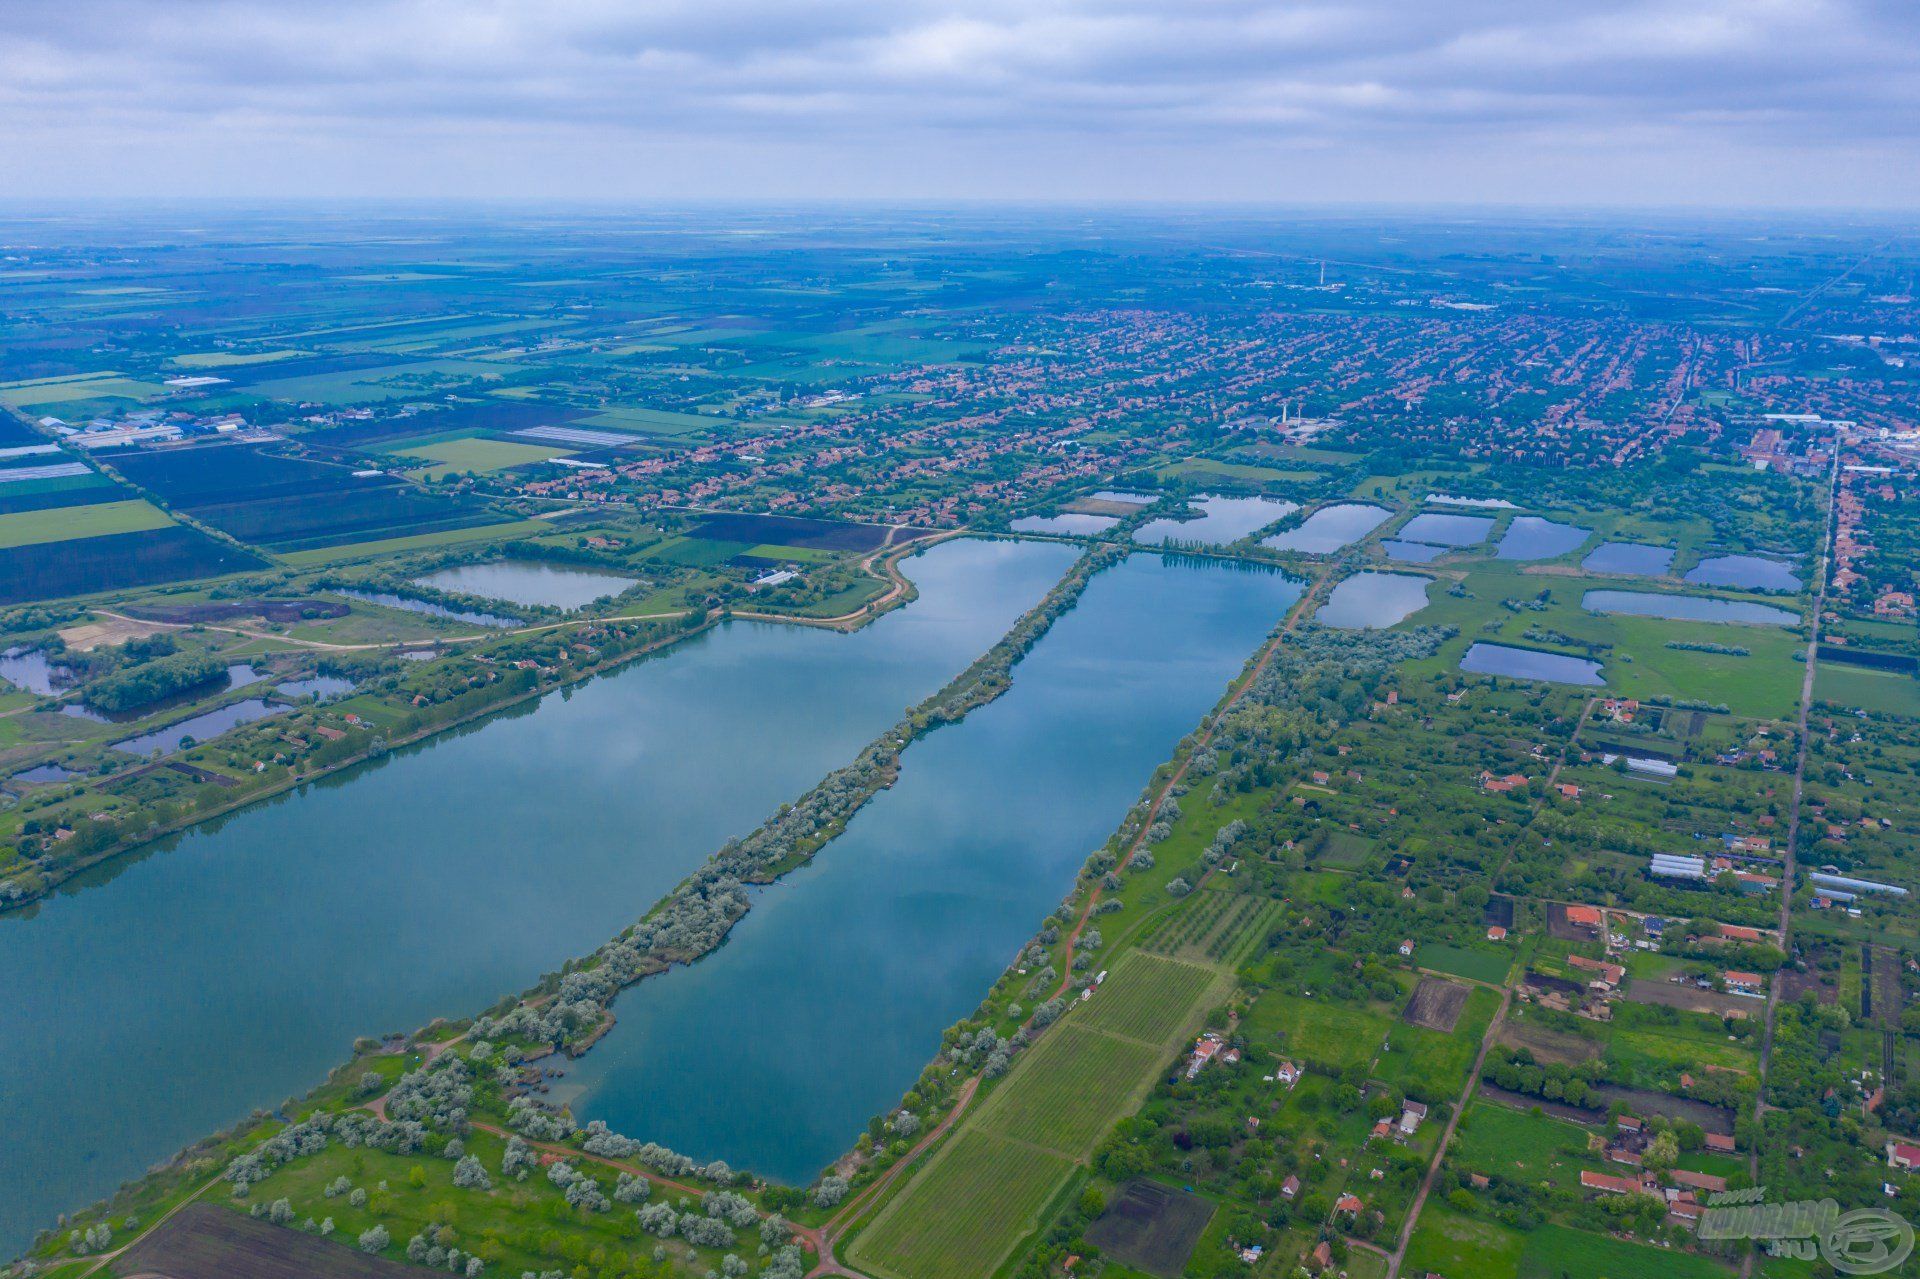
(1639, 102)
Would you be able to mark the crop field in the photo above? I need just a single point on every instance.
(48, 570)
(1152, 1227)
(477, 456)
(1216, 929)
(1436, 1004)
(1066, 1097)
(1473, 963)
(976, 1199)
(785, 530)
(59, 524)
(1447, 1243)
(1146, 997)
(209, 1242)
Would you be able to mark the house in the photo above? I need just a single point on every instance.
(1628, 1123)
(1740, 933)
(1289, 1073)
(1204, 1049)
(1501, 785)
(1751, 984)
(1350, 1204)
(1322, 1256)
(1290, 1187)
(1382, 1130)
(1411, 1117)
(1720, 1143)
(1567, 790)
(1606, 1183)
(1698, 1180)
(1496, 933)
(1904, 1156)
(1584, 916)
(1606, 976)
(1406, 947)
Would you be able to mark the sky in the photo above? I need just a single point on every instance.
(1643, 103)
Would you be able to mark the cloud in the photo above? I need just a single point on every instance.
(1798, 101)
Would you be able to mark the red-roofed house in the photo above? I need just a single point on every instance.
(1902, 1155)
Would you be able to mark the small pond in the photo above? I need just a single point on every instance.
(1527, 663)
(1531, 538)
(1134, 499)
(1367, 601)
(1629, 557)
(45, 773)
(1686, 608)
(1746, 572)
(200, 728)
(1222, 520)
(1412, 552)
(529, 582)
(1447, 530)
(387, 599)
(1067, 523)
(319, 687)
(1330, 528)
(29, 670)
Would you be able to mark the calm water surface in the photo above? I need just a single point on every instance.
(29, 670)
(1447, 530)
(1373, 600)
(830, 996)
(1686, 608)
(1330, 528)
(1531, 538)
(528, 582)
(387, 599)
(1222, 520)
(1412, 552)
(1527, 663)
(1629, 557)
(1071, 523)
(235, 966)
(1747, 572)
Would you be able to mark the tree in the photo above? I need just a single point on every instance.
(375, 1239)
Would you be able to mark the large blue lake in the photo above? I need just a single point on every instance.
(821, 1010)
(235, 965)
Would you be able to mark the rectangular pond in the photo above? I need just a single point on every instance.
(831, 995)
(1686, 608)
(1531, 538)
(1374, 600)
(1412, 552)
(1529, 663)
(1221, 520)
(1330, 528)
(1635, 558)
(166, 995)
(1745, 572)
(1437, 529)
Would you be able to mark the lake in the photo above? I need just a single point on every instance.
(1636, 558)
(822, 1008)
(1686, 608)
(1745, 572)
(1373, 600)
(319, 687)
(1446, 530)
(200, 728)
(1526, 663)
(1330, 528)
(161, 998)
(528, 582)
(1531, 538)
(1482, 503)
(1067, 523)
(1222, 520)
(238, 675)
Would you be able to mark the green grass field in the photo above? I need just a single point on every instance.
(964, 1212)
(1325, 1034)
(1065, 1099)
(1530, 1148)
(1869, 689)
(63, 524)
(1444, 1242)
(1558, 1252)
(1475, 964)
(478, 456)
(419, 542)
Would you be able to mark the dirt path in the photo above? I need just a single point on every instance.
(837, 1225)
(1446, 1136)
